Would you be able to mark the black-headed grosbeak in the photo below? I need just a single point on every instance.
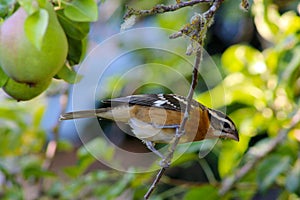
(154, 118)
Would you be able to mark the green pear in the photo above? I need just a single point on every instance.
(21, 60)
(24, 91)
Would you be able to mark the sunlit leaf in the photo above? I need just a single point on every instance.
(231, 61)
(231, 154)
(290, 23)
(242, 58)
(82, 10)
(236, 87)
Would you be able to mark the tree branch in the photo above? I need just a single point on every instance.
(229, 182)
(158, 9)
(155, 182)
(199, 24)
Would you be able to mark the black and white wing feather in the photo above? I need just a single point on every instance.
(166, 101)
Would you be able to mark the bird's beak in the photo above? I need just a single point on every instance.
(233, 135)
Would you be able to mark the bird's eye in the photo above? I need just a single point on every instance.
(226, 125)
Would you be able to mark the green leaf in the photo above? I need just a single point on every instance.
(6, 7)
(68, 75)
(82, 10)
(35, 171)
(3, 77)
(292, 182)
(72, 171)
(76, 51)
(270, 169)
(208, 192)
(35, 27)
(73, 29)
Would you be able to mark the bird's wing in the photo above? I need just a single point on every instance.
(166, 101)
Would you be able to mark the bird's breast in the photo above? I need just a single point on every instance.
(159, 125)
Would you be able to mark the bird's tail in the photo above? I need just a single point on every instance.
(83, 114)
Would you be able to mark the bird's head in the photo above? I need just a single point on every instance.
(221, 126)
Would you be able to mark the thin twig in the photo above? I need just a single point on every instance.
(158, 9)
(181, 130)
(229, 182)
(155, 182)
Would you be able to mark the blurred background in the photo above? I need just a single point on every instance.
(252, 74)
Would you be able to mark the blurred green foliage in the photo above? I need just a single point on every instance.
(21, 144)
(261, 91)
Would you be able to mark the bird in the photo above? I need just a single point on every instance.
(155, 118)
